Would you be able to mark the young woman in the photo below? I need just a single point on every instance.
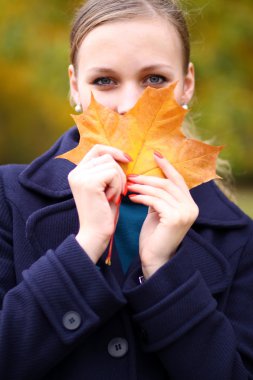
(177, 301)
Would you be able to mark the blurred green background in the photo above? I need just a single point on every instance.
(34, 106)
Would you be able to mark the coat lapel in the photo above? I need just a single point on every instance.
(215, 210)
(46, 228)
(209, 261)
(47, 176)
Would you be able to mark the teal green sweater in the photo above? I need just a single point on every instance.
(127, 233)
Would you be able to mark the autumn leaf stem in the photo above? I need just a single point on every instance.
(108, 259)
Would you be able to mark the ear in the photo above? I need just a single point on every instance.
(189, 84)
(74, 93)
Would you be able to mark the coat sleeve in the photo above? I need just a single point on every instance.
(180, 320)
(62, 299)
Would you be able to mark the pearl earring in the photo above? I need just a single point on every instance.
(78, 108)
(185, 106)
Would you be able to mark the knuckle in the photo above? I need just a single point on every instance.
(101, 149)
(186, 220)
(107, 157)
(190, 216)
(77, 178)
(74, 181)
(185, 217)
(96, 147)
(71, 176)
(96, 150)
(195, 211)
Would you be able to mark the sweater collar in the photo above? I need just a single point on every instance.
(48, 176)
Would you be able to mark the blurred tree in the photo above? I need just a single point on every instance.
(34, 48)
(223, 55)
(34, 107)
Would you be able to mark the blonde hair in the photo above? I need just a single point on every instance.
(97, 12)
(94, 13)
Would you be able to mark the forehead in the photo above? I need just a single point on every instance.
(135, 39)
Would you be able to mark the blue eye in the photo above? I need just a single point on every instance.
(103, 81)
(156, 79)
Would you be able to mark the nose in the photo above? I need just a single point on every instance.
(128, 97)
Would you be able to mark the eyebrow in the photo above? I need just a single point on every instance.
(107, 70)
(156, 67)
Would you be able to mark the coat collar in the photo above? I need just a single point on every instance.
(48, 176)
(215, 209)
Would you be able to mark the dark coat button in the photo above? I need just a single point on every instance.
(71, 320)
(118, 347)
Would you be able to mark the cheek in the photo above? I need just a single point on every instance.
(105, 98)
(85, 97)
(178, 92)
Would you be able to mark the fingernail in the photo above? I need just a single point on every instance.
(132, 195)
(118, 201)
(158, 154)
(110, 198)
(125, 190)
(128, 157)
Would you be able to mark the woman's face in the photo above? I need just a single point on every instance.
(117, 61)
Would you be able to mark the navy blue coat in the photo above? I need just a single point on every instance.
(193, 319)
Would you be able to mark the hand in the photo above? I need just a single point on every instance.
(171, 213)
(97, 184)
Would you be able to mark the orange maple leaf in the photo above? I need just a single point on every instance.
(153, 124)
